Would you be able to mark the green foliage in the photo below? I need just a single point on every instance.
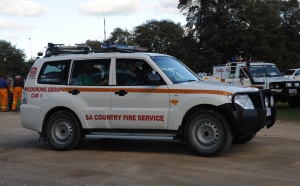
(260, 30)
(159, 36)
(12, 60)
(95, 45)
(121, 36)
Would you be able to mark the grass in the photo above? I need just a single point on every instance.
(285, 113)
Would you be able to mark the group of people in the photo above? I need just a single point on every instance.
(10, 91)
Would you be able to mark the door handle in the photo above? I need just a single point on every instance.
(74, 92)
(121, 92)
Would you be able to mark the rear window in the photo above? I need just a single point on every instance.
(54, 72)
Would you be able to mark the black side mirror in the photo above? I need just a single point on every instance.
(152, 79)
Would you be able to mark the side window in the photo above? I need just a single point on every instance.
(131, 72)
(243, 72)
(54, 72)
(94, 72)
(232, 74)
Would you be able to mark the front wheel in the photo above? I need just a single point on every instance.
(64, 131)
(208, 133)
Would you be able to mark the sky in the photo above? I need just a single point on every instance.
(31, 24)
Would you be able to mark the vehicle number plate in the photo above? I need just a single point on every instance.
(293, 91)
(268, 111)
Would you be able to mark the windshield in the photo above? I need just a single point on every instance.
(176, 71)
(264, 71)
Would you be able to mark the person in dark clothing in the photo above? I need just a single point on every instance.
(3, 93)
(9, 81)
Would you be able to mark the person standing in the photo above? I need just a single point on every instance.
(3, 93)
(9, 81)
(18, 83)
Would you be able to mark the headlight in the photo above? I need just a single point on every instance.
(271, 85)
(296, 84)
(266, 102)
(288, 84)
(274, 85)
(244, 101)
(272, 102)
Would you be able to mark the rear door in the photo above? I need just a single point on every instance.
(88, 92)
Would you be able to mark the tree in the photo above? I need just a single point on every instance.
(120, 36)
(11, 59)
(158, 36)
(290, 17)
(95, 45)
(230, 28)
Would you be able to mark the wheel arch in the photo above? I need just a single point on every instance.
(194, 110)
(51, 112)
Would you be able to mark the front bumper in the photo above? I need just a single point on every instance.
(252, 120)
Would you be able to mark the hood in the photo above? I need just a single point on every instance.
(207, 85)
(289, 76)
(274, 79)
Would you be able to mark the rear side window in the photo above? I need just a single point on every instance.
(54, 72)
(93, 72)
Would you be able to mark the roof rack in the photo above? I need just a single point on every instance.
(60, 49)
(123, 47)
(57, 49)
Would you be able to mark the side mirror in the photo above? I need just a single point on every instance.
(40, 54)
(152, 79)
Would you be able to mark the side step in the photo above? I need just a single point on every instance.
(131, 135)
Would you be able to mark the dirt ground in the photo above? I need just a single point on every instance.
(272, 158)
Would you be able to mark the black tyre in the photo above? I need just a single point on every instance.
(294, 102)
(243, 138)
(208, 133)
(64, 131)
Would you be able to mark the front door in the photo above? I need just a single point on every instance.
(138, 104)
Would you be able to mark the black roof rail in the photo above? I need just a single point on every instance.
(57, 49)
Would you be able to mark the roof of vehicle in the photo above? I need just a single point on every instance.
(292, 69)
(251, 63)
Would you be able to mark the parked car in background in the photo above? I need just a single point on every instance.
(292, 73)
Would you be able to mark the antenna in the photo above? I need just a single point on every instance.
(103, 21)
(104, 30)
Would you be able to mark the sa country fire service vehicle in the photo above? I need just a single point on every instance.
(261, 75)
(138, 94)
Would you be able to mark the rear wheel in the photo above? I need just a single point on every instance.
(64, 131)
(208, 133)
(243, 138)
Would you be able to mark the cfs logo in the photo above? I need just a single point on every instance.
(32, 73)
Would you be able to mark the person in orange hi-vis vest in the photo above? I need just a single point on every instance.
(18, 83)
(3, 93)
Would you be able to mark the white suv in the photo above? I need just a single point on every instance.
(292, 73)
(69, 97)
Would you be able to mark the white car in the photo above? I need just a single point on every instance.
(68, 97)
(292, 73)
